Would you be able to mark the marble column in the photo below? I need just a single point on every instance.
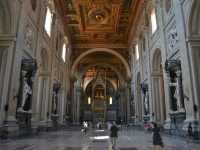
(39, 92)
(42, 96)
(166, 78)
(62, 105)
(128, 98)
(76, 103)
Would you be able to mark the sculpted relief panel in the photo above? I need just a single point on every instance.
(29, 37)
(172, 40)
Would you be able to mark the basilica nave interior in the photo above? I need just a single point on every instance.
(130, 61)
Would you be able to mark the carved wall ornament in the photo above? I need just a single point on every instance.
(28, 37)
(173, 38)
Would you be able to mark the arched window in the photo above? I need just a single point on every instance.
(137, 52)
(110, 100)
(48, 21)
(64, 52)
(153, 21)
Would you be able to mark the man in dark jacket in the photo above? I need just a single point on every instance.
(157, 139)
(113, 134)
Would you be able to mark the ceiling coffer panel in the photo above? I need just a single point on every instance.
(101, 23)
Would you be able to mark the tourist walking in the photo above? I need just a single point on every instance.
(157, 139)
(114, 135)
(189, 131)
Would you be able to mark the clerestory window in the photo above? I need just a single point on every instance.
(48, 21)
(153, 21)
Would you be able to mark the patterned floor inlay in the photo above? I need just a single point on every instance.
(73, 148)
(22, 147)
(99, 145)
(131, 148)
(128, 140)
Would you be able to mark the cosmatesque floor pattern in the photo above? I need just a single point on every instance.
(94, 140)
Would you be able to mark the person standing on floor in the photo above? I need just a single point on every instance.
(85, 126)
(190, 132)
(157, 139)
(114, 135)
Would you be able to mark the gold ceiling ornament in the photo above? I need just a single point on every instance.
(100, 15)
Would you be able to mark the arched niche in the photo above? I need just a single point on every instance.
(157, 61)
(158, 87)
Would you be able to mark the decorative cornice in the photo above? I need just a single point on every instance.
(7, 37)
(120, 45)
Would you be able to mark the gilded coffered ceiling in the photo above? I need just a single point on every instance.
(99, 23)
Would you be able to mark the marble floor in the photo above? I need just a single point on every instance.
(94, 140)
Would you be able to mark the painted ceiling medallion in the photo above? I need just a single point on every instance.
(99, 16)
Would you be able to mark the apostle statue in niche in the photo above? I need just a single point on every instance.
(146, 103)
(24, 103)
(173, 90)
(144, 87)
(56, 88)
(173, 69)
(54, 102)
(27, 91)
(176, 96)
(28, 70)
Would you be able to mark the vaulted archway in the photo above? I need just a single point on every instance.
(111, 66)
(158, 88)
(105, 50)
